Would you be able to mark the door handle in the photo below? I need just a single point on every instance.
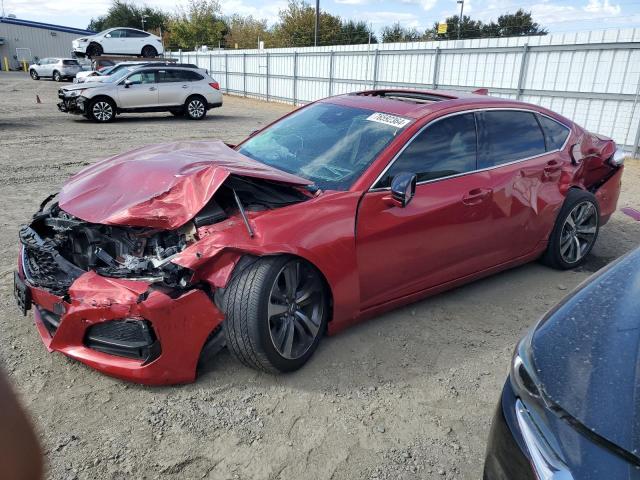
(476, 196)
(185, 86)
(152, 89)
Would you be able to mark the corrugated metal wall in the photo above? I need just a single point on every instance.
(590, 77)
(42, 43)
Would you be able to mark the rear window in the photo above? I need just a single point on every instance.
(555, 133)
(174, 75)
(70, 62)
(136, 34)
(507, 136)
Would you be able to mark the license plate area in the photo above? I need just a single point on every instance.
(21, 293)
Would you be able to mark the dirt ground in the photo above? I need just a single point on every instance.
(407, 395)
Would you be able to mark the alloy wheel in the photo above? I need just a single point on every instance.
(195, 109)
(102, 111)
(578, 232)
(295, 309)
(34, 75)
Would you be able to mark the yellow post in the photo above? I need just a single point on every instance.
(6, 64)
(24, 65)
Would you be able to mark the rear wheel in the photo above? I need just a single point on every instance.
(195, 107)
(149, 52)
(276, 312)
(102, 110)
(575, 231)
(56, 76)
(34, 74)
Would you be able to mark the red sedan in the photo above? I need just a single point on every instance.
(341, 210)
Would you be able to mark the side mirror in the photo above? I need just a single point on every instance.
(127, 83)
(108, 35)
(403, 188)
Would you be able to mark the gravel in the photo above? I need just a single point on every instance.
(407, 395)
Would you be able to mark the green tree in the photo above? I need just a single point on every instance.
(468, 28)
(201, 23)
(356, 33)
(297, 25)
(398, 33)
(124, 14)
(514, 24)
(246, 31)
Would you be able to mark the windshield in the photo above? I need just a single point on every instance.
(331, 145)
(114, 77)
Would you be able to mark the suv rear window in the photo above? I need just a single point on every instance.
(507, 136)
(175, 75)
(70, 62)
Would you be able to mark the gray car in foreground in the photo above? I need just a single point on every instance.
(56, 68)
(179, 90)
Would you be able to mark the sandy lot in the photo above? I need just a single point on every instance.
(407, 395)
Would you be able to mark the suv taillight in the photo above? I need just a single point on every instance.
(215, 85)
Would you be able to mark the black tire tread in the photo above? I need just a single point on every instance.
(241, 305)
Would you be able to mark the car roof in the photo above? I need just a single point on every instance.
(418, 103)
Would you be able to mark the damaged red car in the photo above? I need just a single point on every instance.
(340, 210)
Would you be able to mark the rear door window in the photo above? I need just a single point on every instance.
(555, 133)
(70, 62)
(444, 148)
(507, 136)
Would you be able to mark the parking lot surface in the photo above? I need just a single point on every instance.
(407, 395)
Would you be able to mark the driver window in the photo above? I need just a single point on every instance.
(446, 147)
(142, 78)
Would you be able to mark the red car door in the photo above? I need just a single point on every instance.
(525, 170)
(444, 233)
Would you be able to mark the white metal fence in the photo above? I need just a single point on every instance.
(591, 77)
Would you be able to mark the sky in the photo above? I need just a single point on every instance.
(555, 15)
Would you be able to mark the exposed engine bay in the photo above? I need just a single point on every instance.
(59, 247)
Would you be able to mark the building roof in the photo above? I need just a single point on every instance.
(44, 26)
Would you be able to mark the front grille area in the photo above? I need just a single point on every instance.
(43, 265)
(125, 338)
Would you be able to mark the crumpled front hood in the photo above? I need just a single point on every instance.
(587, 354)
(159, 186)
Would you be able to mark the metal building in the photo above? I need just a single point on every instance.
(26, 40)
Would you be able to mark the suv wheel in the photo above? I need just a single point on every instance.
(102, 110)
(195, 107)
(34, 74)
(149, 52)
(56, 76)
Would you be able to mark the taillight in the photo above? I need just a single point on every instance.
(215, 85)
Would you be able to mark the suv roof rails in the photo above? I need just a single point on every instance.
(413, 96)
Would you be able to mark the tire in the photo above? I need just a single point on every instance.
(149, 52)
(575, 231)
(34, 74)
(94, 50)
(264, 329)
(102, 110)
(195, 107)
(56, 76)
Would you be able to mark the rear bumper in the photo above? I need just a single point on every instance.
(608, 193)
(181, 325)
(214, 105)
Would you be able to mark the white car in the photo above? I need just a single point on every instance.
(99, 76)
(56, 68)
(183, 91)
(119, 41)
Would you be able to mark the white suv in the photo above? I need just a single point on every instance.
(119, 41)
(179, 90)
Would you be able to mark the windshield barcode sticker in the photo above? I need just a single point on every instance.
(387, 119)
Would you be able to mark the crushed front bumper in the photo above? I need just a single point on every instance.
(74, 105)
(178, 326)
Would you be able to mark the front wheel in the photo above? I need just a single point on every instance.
(102, 110)
(34, 75)
(575, 231)
(57, 77)
(276, 312)
(195, 108)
